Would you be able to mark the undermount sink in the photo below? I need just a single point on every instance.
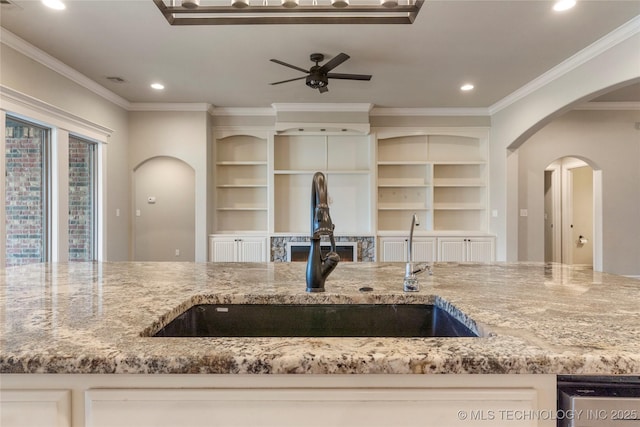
(315, 320)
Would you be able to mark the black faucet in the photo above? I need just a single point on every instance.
(319, 266)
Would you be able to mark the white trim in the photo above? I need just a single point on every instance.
(15, 102)
(32, 52)
(429, 112)
(239, 111)
(3, 226)
(610, 40)
(170, 106)
(331, 107)
(613, 106)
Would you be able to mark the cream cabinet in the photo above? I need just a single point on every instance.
(299, 407)
(237, 248)
(346, 162)
(396, 249)
(443, 400)
(466, 249)
(30, 408)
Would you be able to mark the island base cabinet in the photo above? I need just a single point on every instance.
(35, 408)
(310, 408)
(368, 400)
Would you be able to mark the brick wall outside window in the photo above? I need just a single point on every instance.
(81, 209)
(24, 194)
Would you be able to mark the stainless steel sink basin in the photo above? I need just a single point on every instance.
(315, 320)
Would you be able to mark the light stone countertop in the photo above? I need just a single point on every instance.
(533, 318)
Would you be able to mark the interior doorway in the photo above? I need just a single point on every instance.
(572, 213)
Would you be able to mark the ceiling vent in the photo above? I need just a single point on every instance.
(7, 5)
(112, 79)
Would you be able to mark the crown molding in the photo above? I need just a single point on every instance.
(241, 111)
(598, 47)
(32, 52)
(429, 112)
(610, 106)
(170, 106)
(45, 112)
(328, 107)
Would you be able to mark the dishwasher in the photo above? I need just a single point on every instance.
(598, 401)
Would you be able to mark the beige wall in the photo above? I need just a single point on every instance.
(164, 205)
(35, 80)
(608, 141)
(183, 135)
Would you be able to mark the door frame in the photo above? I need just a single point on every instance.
(561, 188)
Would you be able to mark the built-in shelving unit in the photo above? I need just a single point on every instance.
(346, 163)
(375, 184)
(440, 177)
(241, 197)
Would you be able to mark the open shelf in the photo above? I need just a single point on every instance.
(241, 199)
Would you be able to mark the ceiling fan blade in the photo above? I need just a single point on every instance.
(349, 76)
(323, 89)
(334, 62)
(290, 80)
(277, 61)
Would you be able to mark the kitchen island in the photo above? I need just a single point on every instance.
(70, 327)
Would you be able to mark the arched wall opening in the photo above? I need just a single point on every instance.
(164, 210)
(609, 65)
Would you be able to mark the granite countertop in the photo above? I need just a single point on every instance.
(533, 318)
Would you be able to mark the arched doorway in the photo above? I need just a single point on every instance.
(164, 217)
(572, 206)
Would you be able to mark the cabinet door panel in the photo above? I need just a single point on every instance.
(452, 250)
(424, 250)
(393, 250)
(224, 250)
(300, 407)
(42, 408)
(480, 250)
(252, 250)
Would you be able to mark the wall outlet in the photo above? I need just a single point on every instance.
(523, 212)
(177, 252)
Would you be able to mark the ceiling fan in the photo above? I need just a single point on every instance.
(319, 75)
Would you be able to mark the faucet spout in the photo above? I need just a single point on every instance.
(411, 270)
(319, 266)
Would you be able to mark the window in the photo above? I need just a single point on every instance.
(82, 199)
(26, 192)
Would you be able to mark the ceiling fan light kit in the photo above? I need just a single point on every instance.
(318, 75)
(242, 12)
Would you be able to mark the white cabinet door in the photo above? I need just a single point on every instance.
(480, 249)
(252, 249)
(443, 407)
(237, 249)
(394, 249)
(42, 408)
(222, 249)
(451, 249)
(466, 249)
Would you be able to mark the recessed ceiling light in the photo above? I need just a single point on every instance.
(466, 87)
(157, 86)
(54, 4)
(562, 5)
